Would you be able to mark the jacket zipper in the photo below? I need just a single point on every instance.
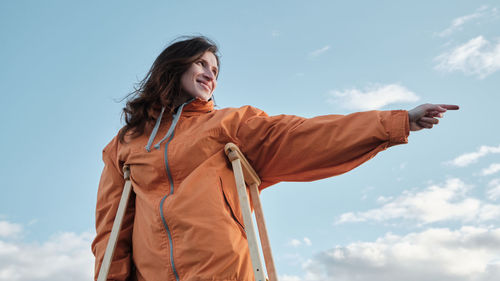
(171, 181)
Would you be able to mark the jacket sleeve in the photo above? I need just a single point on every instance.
(292, 148)
(108, 198)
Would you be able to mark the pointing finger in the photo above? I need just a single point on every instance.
(449, 106)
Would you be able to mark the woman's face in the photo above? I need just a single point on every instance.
(199, 80)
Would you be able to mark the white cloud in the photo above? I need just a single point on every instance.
(472, 157)
(434, 204)
(477, 57)
(8, 229)
(351, 217)
(466, 254)
(319, 52)
(493, 168)
(307, 241)
(373, 97)
(65, 256)
(457, 23)
(494, 191)
(383, 199)
(296, 242)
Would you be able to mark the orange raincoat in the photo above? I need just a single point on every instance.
(184, 222)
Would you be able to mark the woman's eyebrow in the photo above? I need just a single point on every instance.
(207, 63)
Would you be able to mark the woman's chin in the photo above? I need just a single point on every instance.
(203, 96)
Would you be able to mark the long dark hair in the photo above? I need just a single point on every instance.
(161, 87)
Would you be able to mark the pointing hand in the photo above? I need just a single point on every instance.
(425, 115)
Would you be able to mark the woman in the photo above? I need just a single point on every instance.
(184, 222)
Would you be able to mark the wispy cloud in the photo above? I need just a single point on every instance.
(65, 256)
(472, 157)
(477, 57)
(494, 191)
(493, 168)
(373, 97)
(318, 52)
(469, 253)
(458, 23)
(307, 241)
(436, 203)
(296, 242)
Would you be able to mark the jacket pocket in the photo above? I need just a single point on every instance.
(231, 208)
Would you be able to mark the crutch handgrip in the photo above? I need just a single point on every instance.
(233, 152)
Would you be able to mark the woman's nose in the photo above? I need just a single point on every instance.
(209, 74)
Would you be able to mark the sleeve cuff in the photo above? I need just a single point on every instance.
(399, 127)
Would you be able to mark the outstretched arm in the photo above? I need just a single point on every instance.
(425, 116)
(293, 148)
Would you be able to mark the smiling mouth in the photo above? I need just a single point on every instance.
(204, 85)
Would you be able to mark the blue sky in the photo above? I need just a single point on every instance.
(427, 210)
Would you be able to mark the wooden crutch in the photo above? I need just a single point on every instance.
(244, 173)
(113, 237)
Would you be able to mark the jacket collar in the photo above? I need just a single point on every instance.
(189, 108)
(198, 106)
